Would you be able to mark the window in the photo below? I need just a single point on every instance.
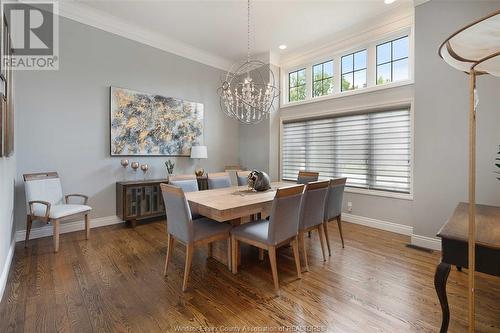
(297, 85)
(392, 61)
(354, 71)
(323, 78)
(373, 150)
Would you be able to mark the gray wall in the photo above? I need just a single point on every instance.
(441, 100)
(63, 115)
(7, 177)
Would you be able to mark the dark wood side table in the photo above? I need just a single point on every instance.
(142, 199)
(139, 199)
(454, 245)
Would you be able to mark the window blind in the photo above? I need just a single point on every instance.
(373, 150)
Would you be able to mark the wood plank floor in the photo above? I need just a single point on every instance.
(114, 283)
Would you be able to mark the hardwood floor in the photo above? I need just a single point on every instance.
(114, 283)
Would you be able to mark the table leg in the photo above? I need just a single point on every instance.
(440, 278)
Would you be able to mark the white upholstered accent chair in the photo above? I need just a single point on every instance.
(47, 203)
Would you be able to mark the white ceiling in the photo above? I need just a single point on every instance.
(218, 28)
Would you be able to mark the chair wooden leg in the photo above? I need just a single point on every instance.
(295, 247)
(304, 251)
(29, 222)
(229, 253)
(274, 268)
(327, 238)
(55, 224)
(309, 234)
(187, 267)
(339, 223)
(321, 237)
(261, 254)
(87, 226)
(210, 250)
(234, 254)
(170, 249)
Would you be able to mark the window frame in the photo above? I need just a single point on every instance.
(322, 64)
(405, 103)
(353, 71)
(335, 50)
(296, 71)
(391, 61)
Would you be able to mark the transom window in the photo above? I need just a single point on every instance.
(322, 78)
(297, 85)
(373, 150)
(392, 61)
(354, 71)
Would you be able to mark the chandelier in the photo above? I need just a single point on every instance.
(248, 90)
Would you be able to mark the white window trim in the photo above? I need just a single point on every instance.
(371, 66)
(363, 109)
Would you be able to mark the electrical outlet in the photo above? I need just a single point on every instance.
(349, 206)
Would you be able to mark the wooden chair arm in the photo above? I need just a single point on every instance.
(85, 198)
(47, 209)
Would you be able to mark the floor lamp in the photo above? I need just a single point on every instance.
(475, 50)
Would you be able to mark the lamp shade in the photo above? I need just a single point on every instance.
(199, 152)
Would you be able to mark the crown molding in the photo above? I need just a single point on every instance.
(397, 20)
(109, 23)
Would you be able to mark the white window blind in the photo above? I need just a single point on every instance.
(372, 150)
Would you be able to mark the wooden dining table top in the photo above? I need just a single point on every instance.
(229, 203)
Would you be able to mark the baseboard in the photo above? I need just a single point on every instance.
(6, 268)
(68, 227)
(378, 224)
(427, 242)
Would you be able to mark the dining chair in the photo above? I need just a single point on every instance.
(181, 227)
(218, 180)
(333, 208)
(305, 177)
(188, 183)
(280, 229)
(242, 177)
(312, 214)
(46, 202)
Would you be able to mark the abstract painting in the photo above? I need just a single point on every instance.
(148, 124)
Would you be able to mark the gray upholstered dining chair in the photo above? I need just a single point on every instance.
(188, 183)
(305, 177)
(242, 177)
(218, 180)
(312, 214)
(333, 208)
(192, 233)
(46, 202)
(280, 229)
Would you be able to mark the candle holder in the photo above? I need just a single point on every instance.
(144, 168)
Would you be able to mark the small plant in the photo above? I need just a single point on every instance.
(497, 163)
(170, 166)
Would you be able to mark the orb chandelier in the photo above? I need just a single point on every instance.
(248, 90)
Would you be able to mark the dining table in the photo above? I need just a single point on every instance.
(234, 205)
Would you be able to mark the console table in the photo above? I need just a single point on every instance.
(142, 199)
(454, 243)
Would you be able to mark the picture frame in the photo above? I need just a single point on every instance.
(147, 124)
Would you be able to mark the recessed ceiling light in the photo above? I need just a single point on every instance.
(388, 2)
(282, 46)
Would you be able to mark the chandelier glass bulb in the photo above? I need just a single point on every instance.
(248, 90)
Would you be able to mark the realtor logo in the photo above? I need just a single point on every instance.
(32, 30)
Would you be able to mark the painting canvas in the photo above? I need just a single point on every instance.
(150, 124)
